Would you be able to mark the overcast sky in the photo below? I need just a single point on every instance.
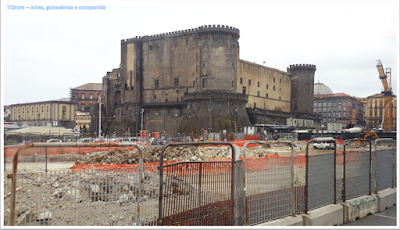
(45, 53)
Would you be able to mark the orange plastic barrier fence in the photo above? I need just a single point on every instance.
(250, 137)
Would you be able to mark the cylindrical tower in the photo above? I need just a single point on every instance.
(302, 93)
(218, 58)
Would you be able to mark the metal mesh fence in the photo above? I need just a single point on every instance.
(107, 197)
(83, 198)
(357, 174)
(299, 182)
(268, 189)
(384, 169)
(339, 176)
(197, 194)
(320, 180)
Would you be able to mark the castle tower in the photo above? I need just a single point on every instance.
(218, 58)
(302, 93)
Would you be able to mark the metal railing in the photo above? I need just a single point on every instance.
(270, 192)
(320, 174)
(198, 193)
(355, 175)
(46, 187)
(385, 165)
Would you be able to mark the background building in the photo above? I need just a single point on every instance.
(337, 107)
(85, 95)
(374, 111)
(46, 113)
(82, 121)
(193, 80)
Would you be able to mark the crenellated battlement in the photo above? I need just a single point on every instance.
(200, 29)
(302, 66)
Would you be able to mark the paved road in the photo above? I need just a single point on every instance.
(385, 218)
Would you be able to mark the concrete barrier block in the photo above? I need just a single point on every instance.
(330, 215)
(287, 221)
(386, 199)
(359, 207)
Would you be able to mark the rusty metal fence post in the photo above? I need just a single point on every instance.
(344, 165)
(232, 179)
(13, 176)
(320, 139)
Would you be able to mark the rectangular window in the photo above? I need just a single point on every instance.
(266, 95)
(83, 96)
(176, 82)
(249, 82)
(204, 82)
(274, 88)
(241, 80)
(258, 93)
(156, 83)
(279, 98)
(244, 89)
(319, 104)
(91, 96)
(324, 104)
(315, 110)
(267, 86)
(258, 84)
(255, 105)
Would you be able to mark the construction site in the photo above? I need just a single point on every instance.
(106, 184)
(233, 160)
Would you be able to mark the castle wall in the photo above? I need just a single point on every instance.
(178, 72)
(267, 88)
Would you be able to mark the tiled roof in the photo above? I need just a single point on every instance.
(91, 86)
(331, 95)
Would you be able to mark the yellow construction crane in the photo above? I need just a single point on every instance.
(388, 95)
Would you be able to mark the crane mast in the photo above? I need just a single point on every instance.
(388, 95)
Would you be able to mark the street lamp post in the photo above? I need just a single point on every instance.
(99, 116)
(141, 126)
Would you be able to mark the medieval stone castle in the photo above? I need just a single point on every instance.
(189, 80)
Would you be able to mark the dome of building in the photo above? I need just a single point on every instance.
(320, 88)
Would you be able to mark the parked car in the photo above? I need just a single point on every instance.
(85, 140)
(54, 140)
(323, 145)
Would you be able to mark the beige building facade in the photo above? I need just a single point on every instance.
(374, 111)
(267, 88)
(46, 113)
(82, 119)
